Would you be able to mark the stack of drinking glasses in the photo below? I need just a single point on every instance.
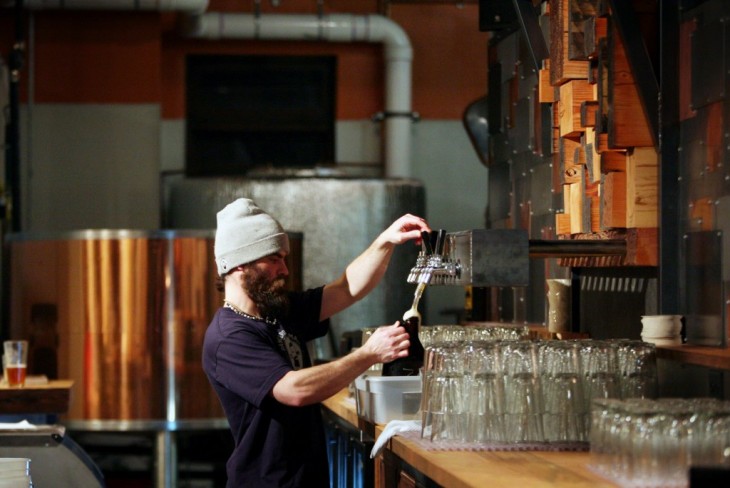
(484, 393)
(564, 415)
(599, 366)
(430, 334)
(637, 368)
(523, 391)
(496, 332)
(652, 443)
(503, 392)
(443, 386)
(433, 334)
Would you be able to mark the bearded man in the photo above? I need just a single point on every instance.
(255, 353)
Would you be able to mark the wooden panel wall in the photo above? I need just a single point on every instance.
(608, 164)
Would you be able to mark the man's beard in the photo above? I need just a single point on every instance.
(269, 295)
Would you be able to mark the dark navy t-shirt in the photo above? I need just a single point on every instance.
(275, 445)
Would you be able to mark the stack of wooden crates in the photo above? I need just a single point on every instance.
(604, 155)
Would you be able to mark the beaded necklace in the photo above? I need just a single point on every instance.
(240, 312)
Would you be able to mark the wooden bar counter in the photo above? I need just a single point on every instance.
(475, 469)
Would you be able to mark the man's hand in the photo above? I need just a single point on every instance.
(388, 343)
(366, 271)
(311, 385)
(406, 228)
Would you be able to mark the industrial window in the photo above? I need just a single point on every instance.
(251, 112)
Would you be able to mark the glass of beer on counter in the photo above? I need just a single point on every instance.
(16, 359)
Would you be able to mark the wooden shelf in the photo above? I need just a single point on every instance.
(709, 357)
(50, 398)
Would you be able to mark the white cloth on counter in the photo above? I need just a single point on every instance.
(392, 428)
(22, 425)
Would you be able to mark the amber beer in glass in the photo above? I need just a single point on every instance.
(16, 361)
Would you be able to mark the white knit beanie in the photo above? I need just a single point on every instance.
(246, 233)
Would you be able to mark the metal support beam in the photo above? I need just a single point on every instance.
(624, 17)
(12, 163)
(531, 30)
(669, 225)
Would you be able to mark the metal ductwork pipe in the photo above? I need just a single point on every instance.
(398, 55)
(347, 28)
(190, 6)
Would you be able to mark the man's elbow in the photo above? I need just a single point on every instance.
(296, 400)
(292, 396)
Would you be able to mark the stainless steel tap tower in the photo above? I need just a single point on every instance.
(494, 257)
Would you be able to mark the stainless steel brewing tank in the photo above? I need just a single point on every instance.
(123, 314)
(339, 218)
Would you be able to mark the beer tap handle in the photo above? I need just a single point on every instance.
(440, 242)
(433, 242)
(426, 242)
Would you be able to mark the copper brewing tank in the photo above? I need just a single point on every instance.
(123, 314)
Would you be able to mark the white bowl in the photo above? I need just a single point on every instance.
(661, 325)
(663, 341)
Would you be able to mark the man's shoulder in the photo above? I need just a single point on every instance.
(226, 323)
(306, 297)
